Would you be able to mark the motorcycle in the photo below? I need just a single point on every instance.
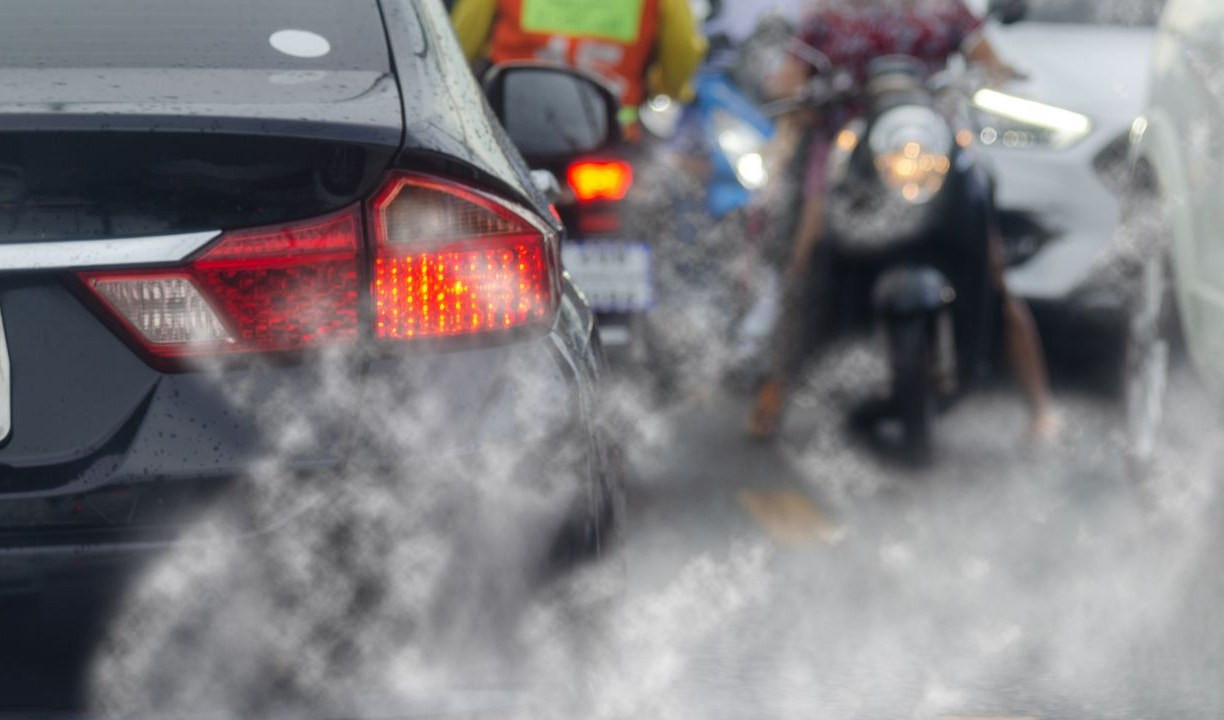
(646, 245)
(717, 256)
(643, 243)
(910, 215)
(724, 126)
(608, 208)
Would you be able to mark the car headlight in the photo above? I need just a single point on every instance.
(1017, 122)
(911, 146)
(742, 145)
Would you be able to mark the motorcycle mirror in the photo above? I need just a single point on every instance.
(661, 116)
(1008, 12)
(843, 82)
(552, 112)
(773, 28)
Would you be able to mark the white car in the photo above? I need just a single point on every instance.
(1180, 140)
(1057, 140)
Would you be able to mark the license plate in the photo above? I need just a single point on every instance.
(614, 276)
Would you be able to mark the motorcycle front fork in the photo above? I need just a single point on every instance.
(941, 346)
(946, 371)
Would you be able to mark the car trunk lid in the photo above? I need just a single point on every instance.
(148, 120)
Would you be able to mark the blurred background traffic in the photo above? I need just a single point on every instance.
(1013, 197)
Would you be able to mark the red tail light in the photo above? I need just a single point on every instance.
(445, 260)
(451, 261)
(271, 289)
(600, 180)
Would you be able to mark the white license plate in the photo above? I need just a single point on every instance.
(614, 276)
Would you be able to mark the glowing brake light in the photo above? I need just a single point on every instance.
(600, 180)
(271, 289)
(451, 261)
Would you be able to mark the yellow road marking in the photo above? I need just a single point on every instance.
(788, 516)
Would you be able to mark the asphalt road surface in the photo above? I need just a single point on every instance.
(1005, 580)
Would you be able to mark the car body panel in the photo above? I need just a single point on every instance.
(336, 35)
(61, 413)
(446, 117)
(360, 106)
(1100, 70)
(1182, 143)
(1096, 71)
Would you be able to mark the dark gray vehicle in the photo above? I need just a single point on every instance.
(252, 252)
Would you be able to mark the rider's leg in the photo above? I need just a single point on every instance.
(1024, 351)
(792, 335)
(1026, 357)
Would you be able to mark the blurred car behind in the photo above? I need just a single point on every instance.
(1058, 141)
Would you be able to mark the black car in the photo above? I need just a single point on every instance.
(268, 256)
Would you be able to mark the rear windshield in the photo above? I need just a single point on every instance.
(247, 34)
(1129, 13)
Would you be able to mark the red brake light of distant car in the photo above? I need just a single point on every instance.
(600, 180)
(278, 288)
(451, 261)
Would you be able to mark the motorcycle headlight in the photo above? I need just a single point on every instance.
(911, 146)
(1016, 122)
(742, 145)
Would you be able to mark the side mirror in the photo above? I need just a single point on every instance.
(546, 184)
(661, 116)
(552, 112)
(1008, 11)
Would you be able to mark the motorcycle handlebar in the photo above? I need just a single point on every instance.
(819, 91)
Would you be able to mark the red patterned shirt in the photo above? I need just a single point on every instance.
(852, 33)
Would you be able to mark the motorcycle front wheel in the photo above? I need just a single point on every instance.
(913, 388)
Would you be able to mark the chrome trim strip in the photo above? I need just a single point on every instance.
(79, 254)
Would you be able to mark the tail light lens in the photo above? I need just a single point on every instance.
(445, 260)
(600, 180)
(271, 289)
(452, 261)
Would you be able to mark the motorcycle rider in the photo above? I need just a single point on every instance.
(639, 46)
(851, 33)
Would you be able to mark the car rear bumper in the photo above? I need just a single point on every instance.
(282, 444)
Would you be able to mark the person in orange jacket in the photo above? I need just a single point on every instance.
(641, 47)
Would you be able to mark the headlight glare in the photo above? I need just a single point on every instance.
(742, 145)
(911, 146)
(751, 171)
(1018, 122)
